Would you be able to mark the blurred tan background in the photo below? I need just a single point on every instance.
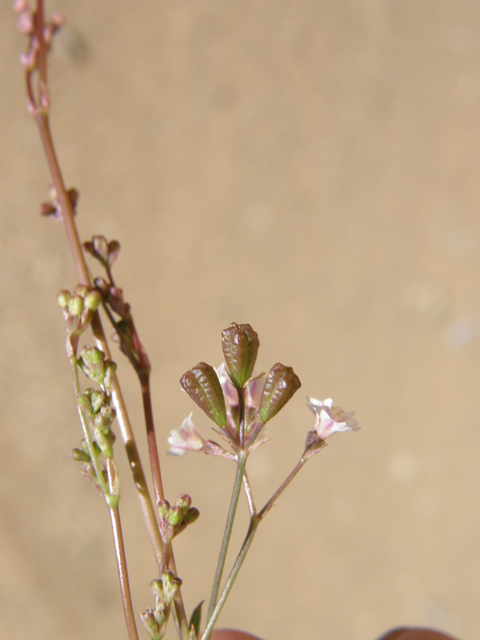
(312, 168)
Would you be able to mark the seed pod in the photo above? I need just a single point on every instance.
(203, 386)
(280, 385)
(240, 347)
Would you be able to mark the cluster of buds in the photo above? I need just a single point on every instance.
(78, 310)
(94, 365)
(240, 403)
(117, 309)
(174, 519)
(95, 405)
(155, 620)
(51, 207)
(40, 36)
(102, 250)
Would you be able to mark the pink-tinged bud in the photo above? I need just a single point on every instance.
(155, 630)
(183, 501)
(25, 22)
(170, 586)
(240, 347)
(280, 385)
(163, 507)
(203, 386)
(19, 6)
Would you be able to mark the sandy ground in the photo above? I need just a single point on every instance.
(310, 167)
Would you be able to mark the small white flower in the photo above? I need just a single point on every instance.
(185, 439)
(330, 419)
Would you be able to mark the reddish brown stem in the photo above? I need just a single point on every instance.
(152, 439)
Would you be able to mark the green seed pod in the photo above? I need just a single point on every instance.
(279, 387)
(240, 347)
(203, 386)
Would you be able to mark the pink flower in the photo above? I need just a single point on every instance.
(185, 439)
(330, 419)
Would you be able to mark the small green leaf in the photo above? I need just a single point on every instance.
(196, 619)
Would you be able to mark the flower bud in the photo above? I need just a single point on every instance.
(92, 363)
(75, 306)
(183, 501)
(79, 455)
(191, 515)
(155, 630)
(93, 299)
(175, 516)
(81, 290)
(110, 371)
(279, 387)
(170, 585)
(97, 399)
(203, 386)
(240, 347)
(63, 299)
(163, 508)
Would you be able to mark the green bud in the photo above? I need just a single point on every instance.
(171, 585)
(97, 399)
(75, 306)
(203, 386)
(63, 299)
(110, 371)
(92, 363)
(80, 456)
(81, 290)
(96, 448)
(183, 501)
(175, 516)
(163, 507)
(155, 631)
(104, 418)
(279, 387)
(93, 300)
(104, 442)
(191, 515)
(240, 347)
(84, 403)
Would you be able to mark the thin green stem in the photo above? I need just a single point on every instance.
(254, 522)
(263, 512)
(241, 463)
(123, 573)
